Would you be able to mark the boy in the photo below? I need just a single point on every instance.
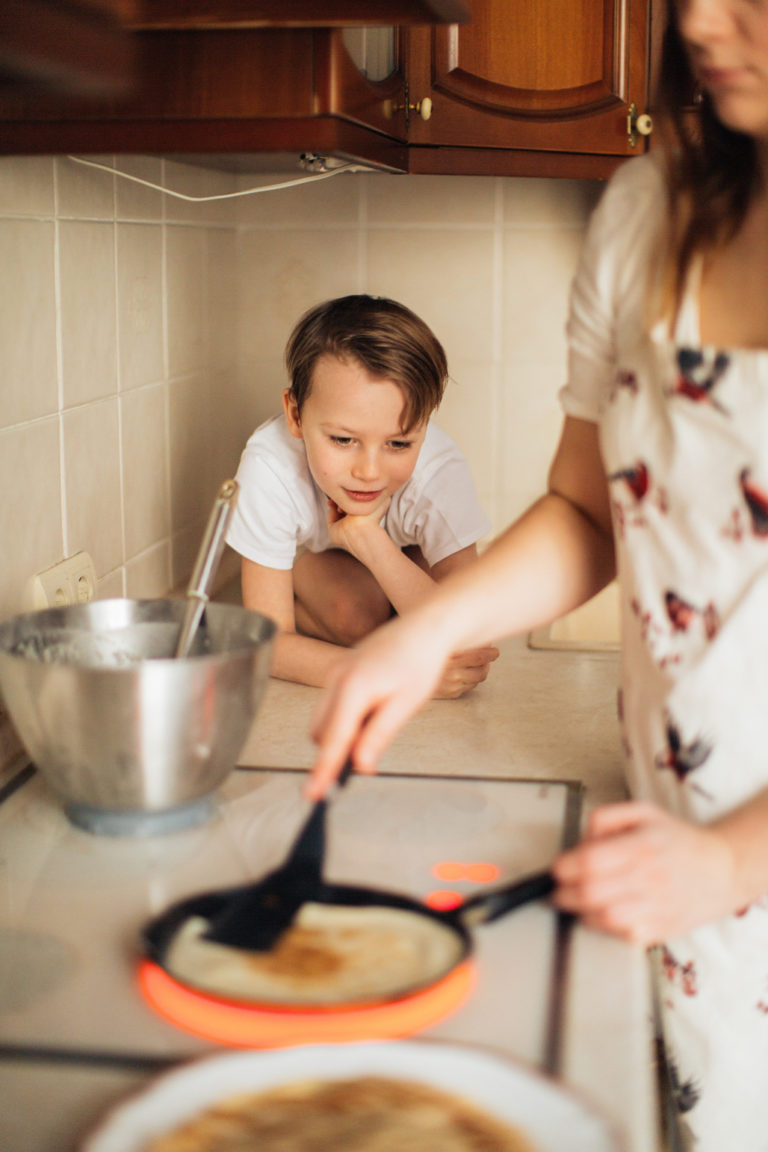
(354, 505)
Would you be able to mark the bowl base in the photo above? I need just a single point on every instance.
(117, 822)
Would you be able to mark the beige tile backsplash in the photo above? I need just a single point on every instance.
(28, 349)
(141, 338)
(92, 488)
(88, 292)
(140, 295)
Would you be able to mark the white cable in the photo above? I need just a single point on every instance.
(221, 195)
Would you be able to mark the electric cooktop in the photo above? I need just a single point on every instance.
(74, 903)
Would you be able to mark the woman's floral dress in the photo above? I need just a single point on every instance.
(684, 439)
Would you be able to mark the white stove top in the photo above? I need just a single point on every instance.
(73, 903)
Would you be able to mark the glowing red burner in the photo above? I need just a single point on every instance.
(241, 1025)
(443, 899)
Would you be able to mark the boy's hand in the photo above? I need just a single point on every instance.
(344, 528)
(464, 671)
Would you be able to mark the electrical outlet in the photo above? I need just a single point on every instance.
(71, 581)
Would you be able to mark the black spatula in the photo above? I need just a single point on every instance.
(257, 915)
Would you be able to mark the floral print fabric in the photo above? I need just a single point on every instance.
(684, 437)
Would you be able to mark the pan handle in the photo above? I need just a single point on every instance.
(491, 905)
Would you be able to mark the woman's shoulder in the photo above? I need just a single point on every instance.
(609, 296)
(639, 173)
(633, 201)
(626, 230)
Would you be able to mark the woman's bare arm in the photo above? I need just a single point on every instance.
(305, 659)
(555, 557)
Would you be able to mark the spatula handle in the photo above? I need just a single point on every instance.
(309, 846)
(491, 905)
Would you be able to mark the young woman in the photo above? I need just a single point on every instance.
(662, 471)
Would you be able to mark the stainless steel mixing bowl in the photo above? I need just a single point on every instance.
(132, 740)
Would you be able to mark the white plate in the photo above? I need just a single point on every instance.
(553, 1119)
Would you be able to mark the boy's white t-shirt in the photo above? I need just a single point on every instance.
(280, 509)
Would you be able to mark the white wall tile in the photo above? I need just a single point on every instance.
(144, 439)
(187, 321)
(140, 303)
(259, 387)
(135, 201)
(549, 203)
(149, 575)
(332, 201)
(468, 414)
(220, 292)
(112, 585)
(26, 186)
(195, 181)
(91, 442)
(88, 323)
(447, 277)
(529, 424)
(281, 275)
(429, 201)
(227, 428)
(28, 371)
(192, 483)
(83, 192)
(538, 270)
(30, 511)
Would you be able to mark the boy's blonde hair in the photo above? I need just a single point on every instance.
(390, 341)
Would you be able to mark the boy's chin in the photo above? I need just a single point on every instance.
(362, 507)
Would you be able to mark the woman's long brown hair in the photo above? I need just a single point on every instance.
(712, 171)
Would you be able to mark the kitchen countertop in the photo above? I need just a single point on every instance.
(542, 715)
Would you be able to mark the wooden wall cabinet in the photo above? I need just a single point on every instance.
(238, 98)
(528, 87)
(539, 86)
(81, 47)
(295, 13)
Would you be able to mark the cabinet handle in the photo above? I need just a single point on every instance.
(422, 108)
(637, 123)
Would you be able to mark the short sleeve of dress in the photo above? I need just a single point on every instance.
(609, 296)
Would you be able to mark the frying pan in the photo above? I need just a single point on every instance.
(158, 935)
(258, 914)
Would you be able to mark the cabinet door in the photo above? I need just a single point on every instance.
(555, 75)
